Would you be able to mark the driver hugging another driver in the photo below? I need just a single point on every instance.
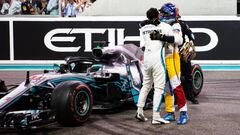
(162, 36)
(154, 69)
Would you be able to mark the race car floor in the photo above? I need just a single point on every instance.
(217, 114)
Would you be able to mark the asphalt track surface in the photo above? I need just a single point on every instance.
(217, 114)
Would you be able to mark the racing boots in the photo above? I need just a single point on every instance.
(194, 101)
(192, 98)
(140, 117)
(159, 121)
(183, 118)
(170, 116)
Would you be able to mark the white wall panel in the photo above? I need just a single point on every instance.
(139, 7)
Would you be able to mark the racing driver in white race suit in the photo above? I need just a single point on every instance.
(154, 68)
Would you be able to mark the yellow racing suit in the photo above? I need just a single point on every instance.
(172, 61)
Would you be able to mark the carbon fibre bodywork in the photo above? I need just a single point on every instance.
(114, 76)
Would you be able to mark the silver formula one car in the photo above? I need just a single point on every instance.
(68, 95)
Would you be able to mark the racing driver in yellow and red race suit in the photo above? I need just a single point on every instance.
(168, 14)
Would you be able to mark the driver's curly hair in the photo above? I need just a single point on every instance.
(152, 13)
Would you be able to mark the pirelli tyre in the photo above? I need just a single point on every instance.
(197, 79)
(72, 103)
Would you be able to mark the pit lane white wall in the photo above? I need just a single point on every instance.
(139, 7)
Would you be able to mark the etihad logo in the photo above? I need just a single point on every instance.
(51, 38)
(115, 37)
(213, 39)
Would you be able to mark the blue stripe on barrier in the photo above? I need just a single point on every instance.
(50, 67)
(26, 67)
(220, 67)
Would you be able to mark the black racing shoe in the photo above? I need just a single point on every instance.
(192, 99)
(141, 117)
(195, 101)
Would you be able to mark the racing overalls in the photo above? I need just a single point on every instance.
(172, 61)
(186, 66)
(154, 68)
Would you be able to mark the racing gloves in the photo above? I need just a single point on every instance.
(158, 36)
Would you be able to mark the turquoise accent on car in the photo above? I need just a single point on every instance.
(135, 95)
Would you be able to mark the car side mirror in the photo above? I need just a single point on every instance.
(62, 68)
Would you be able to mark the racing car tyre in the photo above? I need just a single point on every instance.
(72, 103)
(197, 79)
